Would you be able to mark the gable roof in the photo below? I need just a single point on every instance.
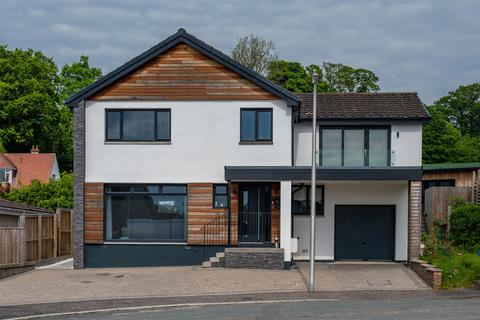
(364, 106)
(32, 166)
(183, 37)
(5, 163)
(6, 204)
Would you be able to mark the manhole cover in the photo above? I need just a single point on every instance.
(379, 283)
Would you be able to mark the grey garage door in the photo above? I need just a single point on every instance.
(364, 232)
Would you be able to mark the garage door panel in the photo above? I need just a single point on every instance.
(364, 232)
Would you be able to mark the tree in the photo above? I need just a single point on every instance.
(73, 78)
(28, 100)
(462, 108)
(442, 142)
(76, 76)
(332, 77)
(255, 53)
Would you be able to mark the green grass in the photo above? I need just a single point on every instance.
(459, 270)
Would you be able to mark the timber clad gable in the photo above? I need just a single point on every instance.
(183, 73)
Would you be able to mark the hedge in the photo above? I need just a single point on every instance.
(465, 225)
(52, 195)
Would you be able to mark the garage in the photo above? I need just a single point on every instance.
(364, 232)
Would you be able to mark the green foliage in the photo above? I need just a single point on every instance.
(31, 102)
(76, 76)
(28, 100)
(331, 77)
(465, 225)
(462, 108)
(342, 78)
(52, 195)
(459, 269)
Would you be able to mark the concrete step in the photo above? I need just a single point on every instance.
(220, 255)
(206, 264)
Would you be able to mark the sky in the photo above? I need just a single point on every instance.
(430, 47)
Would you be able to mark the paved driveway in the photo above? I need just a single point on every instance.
(54, 285)
(346, 276)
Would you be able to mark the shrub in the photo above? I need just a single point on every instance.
(52, 195)
(465, 225)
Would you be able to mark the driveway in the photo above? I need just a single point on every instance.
(348, 276)
(55, 285)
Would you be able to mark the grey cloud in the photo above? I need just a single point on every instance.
(425, 46)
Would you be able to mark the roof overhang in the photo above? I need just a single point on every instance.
(279, 173)
(183, 37)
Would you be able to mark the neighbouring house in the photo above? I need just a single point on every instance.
(20, 169)
(444, 182)
(182, 152)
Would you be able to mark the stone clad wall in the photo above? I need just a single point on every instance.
(254, 258)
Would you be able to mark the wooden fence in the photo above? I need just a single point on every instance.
(37, 237)
(438, 199)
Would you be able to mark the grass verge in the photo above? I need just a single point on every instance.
(459, 269)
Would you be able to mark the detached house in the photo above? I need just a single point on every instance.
(20, 169)
(182, 152)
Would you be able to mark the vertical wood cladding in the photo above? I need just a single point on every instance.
(200, 210)
(183, 73)
(462, 178)
(93, 212)
(275, 213)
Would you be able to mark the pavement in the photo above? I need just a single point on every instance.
(56, 284)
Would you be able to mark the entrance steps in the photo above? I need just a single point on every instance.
(215, 262)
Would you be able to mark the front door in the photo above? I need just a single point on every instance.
(254, 214)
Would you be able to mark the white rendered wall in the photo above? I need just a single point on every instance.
(286, 218)
(375, 193)
(406, 150)
(205, 138)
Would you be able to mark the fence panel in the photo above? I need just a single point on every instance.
(64, 223)
(31, 230)
(438, 199)
(11, 249)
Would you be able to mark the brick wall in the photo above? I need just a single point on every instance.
(414, 219)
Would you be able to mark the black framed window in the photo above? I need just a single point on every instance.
(145, 212)
(138, 125)
(256, 125)
(355, 146)
(301, 200)
(220, 196)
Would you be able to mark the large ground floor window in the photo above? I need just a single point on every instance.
(145, 212)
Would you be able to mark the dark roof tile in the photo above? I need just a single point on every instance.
(365, 106)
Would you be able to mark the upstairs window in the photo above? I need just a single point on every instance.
(255, 125)
(138, 125)
(355, 146)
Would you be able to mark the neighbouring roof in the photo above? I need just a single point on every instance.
(182, 37)
(5, 163)
(31, 166)
(452, 166)
(6, 204)
(365, 106)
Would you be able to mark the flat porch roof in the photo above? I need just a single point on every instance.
(288, 173)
